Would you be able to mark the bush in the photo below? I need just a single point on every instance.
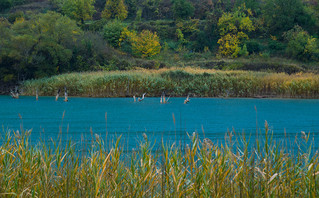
(274, 45)
(112, 32)
(12, 17)
(94, 26)
(182, 9)
(253, 46)
(165, 29)
(243, 51)
(301, 45)
(147, 64)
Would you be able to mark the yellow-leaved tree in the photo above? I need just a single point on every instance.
(144, 44)
(233, 29)
(115, 9)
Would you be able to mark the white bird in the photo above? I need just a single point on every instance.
(15, 94)
(168, 99)
(140, 99)
(65, 95)
(186, 100)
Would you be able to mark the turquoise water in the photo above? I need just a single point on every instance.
(209, 117)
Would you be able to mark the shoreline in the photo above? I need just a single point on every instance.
(256, 97)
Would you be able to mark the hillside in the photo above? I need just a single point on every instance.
(42, 38)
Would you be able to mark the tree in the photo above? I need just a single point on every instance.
(283, 15)
(182, 9)
(115, 9)
(112, 32)
(301, 45)
(41, 46)
(233, 28)
(144, 44)
(79, 10)
(5, 4)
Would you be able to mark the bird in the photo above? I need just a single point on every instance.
(57, 96)
(65, 95)
(186, 100)
(168, 99)
(140, 99)
(163, 98)
(36, 95)
(134, 98)
(14, 95)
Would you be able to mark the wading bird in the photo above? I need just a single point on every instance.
(14, 95)
(57, 96)
(163, 98)
(140, 99)
(168, 99)
(65, 95)
(186, 100)
(36, 95)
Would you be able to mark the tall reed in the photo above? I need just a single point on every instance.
(179, 82)
(204, 168)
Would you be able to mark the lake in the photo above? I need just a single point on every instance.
(209, 117)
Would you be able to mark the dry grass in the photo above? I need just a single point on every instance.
(234, 168)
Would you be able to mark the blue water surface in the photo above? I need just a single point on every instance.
(81, 118)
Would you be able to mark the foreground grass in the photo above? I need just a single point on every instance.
(202, 169)
(179, 82)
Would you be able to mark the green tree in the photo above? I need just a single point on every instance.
(112, 32)
(79, 10)
(301, 45)
(41, 46)
(283, 15)
(5, 4)
(115, 9)
(182, 9)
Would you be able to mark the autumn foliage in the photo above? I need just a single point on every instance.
(144, 44)
(233, 28)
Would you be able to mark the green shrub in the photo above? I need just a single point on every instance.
(243, 51)
(274, 45)
(94, 26)
(301, 45)
(112, 32)
(12, 17)
(253, 46)
(182, 9)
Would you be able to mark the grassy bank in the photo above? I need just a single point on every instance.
(202, 169)
(179, 82)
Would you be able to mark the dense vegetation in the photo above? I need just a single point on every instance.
(179, 82)
(40, 38)
(233, 168)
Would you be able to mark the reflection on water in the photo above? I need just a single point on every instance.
(209, 117)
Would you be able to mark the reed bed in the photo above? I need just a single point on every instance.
(179, 82)
(235, 168)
